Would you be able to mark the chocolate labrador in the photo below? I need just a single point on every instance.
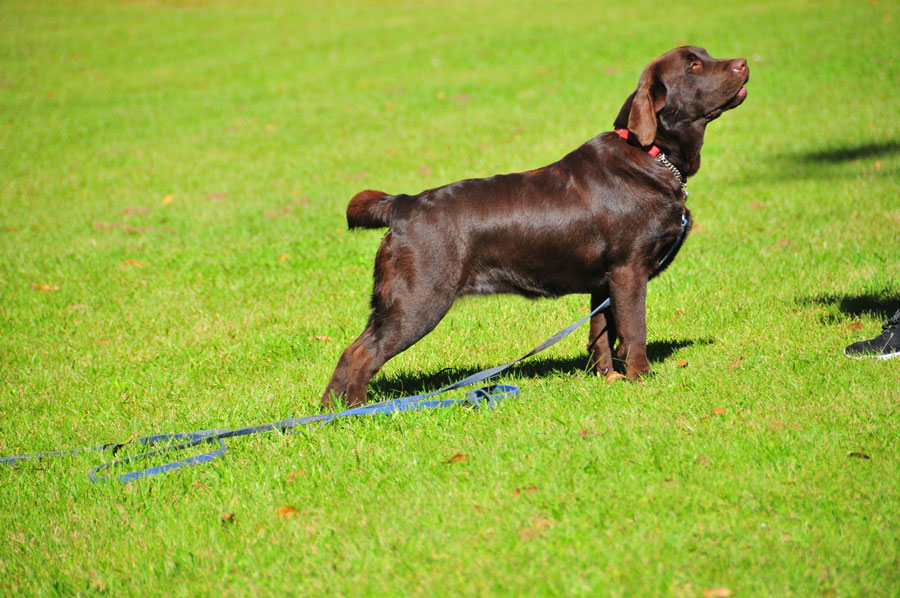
(597, 222)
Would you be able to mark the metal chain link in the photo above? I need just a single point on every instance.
(665, 162)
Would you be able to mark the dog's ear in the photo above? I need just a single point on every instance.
(646, 101)
(622, 119)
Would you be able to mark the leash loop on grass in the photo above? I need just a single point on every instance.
(487, 396)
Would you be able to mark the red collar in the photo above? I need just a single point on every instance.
(626, 134)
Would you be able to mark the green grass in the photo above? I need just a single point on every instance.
(202, 310)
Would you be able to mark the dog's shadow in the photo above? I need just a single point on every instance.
(409, 383)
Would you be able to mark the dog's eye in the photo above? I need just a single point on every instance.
(696, 66)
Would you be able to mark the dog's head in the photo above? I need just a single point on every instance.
(680, 92)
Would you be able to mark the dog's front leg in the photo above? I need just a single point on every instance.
(628, 292)
(601, 339)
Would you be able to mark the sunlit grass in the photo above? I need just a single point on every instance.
(173, 257)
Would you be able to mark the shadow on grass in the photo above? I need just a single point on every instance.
(409, 383)
(850, 153)
(880, 305)
(830, 161)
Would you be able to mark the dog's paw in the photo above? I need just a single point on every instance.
(331, 400)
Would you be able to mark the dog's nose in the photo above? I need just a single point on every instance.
(739, 66)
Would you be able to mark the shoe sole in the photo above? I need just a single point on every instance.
(871, 355)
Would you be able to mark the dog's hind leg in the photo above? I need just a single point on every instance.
(408, 301)
(385, 336)
(354, 356)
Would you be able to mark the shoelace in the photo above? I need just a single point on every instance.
(893, 321)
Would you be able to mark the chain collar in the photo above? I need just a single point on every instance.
(659, 155)
(665, 162)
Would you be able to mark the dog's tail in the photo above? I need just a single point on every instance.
(369, 209)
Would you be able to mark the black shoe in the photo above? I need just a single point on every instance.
(884, 346)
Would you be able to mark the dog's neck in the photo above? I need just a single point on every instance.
(657, 152)
(682, 147)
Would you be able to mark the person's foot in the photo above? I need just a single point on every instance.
(884, 346)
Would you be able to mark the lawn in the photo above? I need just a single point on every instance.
(173, 257)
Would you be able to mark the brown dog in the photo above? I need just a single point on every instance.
(598, 221)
